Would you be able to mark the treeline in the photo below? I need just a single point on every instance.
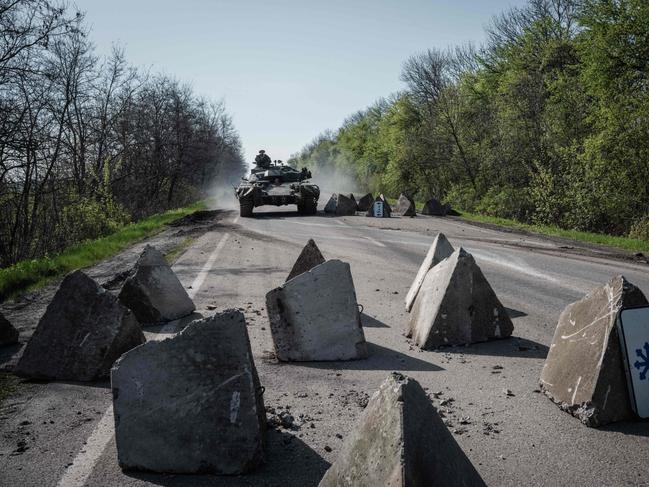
(548, 122)
(88, 144)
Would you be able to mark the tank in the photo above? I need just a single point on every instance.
(277, 185)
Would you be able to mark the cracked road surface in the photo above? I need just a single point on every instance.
(61, 433)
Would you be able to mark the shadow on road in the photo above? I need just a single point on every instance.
(173, 326)
(637, 428)
(380, 358)
(371, 322)
(507, 347)
(514, 313)
(289, 462)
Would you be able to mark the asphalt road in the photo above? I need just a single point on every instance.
(519, 439)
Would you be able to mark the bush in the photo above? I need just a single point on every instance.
(640, 229)
(505, 202)
(87, 219)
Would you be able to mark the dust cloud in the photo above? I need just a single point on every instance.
(334, 181)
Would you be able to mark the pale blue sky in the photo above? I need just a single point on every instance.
(287, 69)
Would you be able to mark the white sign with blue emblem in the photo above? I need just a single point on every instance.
(378, 209)
(633, 329)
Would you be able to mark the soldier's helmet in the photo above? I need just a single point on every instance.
(262, 151)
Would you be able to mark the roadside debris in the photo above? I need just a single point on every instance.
(307, 260)
(583, 372)
(457, 306)
(83, 331)
(379, 208)
(340, 205)
(400, 440)
(191, 403)
(8, 333)
(153, 292)
(433, 207)
(365, 202)
(314, 316)
(405, 206)
(438, 251)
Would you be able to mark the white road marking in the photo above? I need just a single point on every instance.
(374, 241)
(84, 463)
(200, 278)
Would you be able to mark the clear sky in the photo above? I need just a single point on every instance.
(287, 69)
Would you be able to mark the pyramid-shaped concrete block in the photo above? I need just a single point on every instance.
(457, 306)
(314, 316)
(400, 440)
(83, 331)
(438, 251)
(191, 403)
(434, 208)
(307, 260)
(340, 205)
(365, 202)
(379, 204)
(584, 371)
(405, 206)
(330, 207)
(153, 292)
(8, 334)
(353, 200)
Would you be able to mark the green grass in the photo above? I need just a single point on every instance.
(30, 274)
(624, 243)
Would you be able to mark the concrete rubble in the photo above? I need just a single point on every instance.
(400, 440)
(153, 292)
(405, 206)
(456, 305)
(307, 260)
(315, 316)
(372, 210)
(438, 251)
(8, 334)
(191, 403)
(365, 202)
(83, 331)
(584, 371)
(340, 205)
(434, 208)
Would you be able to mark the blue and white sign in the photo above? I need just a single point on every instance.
(378, 209)
(633, 327)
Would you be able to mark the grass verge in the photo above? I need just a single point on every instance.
(624, 243)
(30, 274)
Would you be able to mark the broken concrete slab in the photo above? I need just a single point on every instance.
(307, 260)
(314, 316)
(405, 206)
(456, 305)
(191, 403)
(8, 334)
(379, 208)
(340, 205)
(83, 331)
(438, 251)
(365, 202)
(584, 370)
(400, 440)
(154, 292)
(434, 208)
